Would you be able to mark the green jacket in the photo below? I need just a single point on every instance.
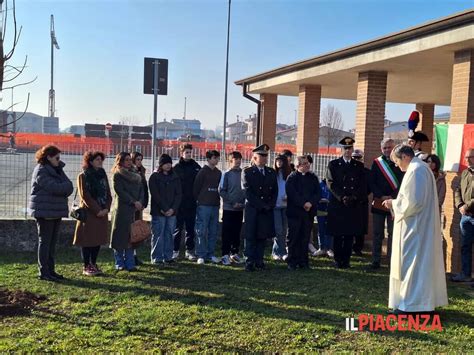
(128, 189)
(463, 193)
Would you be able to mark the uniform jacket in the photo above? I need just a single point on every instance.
(260, 191)
(261, 194)
(50, 188)
(346, 179)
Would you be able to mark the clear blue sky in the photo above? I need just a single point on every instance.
(99, 68)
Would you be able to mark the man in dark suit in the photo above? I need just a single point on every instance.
(347, 182)
(385, 180)
(261, 190)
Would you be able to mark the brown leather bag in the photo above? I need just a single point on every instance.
(377, 204)
(140, 232)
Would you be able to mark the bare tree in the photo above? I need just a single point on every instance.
(8, 72)
(331, 118)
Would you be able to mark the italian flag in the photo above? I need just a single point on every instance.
(452, 142)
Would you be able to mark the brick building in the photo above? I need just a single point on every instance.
(427, 65)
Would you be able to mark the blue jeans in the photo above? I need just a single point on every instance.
(324, 240)
(467, 238)
(162, 238)
(124, 258)
(207, 224)
(281, 228)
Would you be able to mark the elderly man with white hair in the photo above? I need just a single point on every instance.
(385, 180)
(417, 276)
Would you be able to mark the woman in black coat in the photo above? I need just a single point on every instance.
(50, 188)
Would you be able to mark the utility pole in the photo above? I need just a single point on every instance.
(54, 43)
(226, 87)
(184, 116)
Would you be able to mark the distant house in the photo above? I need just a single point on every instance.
(76, 129)
(170, 130)
(190, 126)
(236, 131)
(30, 123)
(327, 136)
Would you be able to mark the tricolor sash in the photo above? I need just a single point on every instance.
(387, 173)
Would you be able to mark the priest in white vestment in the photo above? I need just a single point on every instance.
(417, 276)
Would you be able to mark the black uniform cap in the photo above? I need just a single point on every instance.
(263, 149)
(347, 142)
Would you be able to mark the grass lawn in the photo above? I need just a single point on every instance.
(196, 308)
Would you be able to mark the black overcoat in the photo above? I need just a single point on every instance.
(346, 179)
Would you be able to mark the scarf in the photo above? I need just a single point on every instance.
(96, 184)
(130, 175)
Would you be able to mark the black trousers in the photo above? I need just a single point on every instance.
(343, 249)
(358, 243)
(231, 227)
(185, 219)
(299, 233)
(48, 231)
(89, 255)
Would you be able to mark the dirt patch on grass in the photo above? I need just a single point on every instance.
(18, 303)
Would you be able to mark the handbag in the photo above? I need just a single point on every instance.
(78, 213)
(140, 232)
(377, 204)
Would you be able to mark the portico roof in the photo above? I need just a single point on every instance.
(419, 63)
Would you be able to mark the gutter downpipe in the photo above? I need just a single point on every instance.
(259, 109)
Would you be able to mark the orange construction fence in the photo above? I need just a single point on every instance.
(73, 144)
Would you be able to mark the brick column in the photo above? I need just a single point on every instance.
(426, 124)
(268, 118)
(309, 107)
(462, 94)
(462, 112)
(370, 115)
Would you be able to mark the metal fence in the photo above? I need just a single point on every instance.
(16, 170)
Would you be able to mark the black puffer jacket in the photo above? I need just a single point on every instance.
(50, 188)
(187, 171)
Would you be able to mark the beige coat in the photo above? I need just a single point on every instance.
(94, 231)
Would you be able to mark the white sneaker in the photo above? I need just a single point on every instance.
(190, 256)
(235, 258)
(175, 254)
(330, 253)
(276, 257)
(311, 248)
(226, 260)
(201, 261)
(284, 257)
(319, 252)
(215, 260)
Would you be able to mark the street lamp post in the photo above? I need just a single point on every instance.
(226, 84)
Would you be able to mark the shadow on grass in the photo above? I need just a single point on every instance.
(322, 295)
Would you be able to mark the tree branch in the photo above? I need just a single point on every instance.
(19, 118)
(22, 84)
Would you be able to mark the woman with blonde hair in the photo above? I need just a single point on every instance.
(128, 199)
(95, 196)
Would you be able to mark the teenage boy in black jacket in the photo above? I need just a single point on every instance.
(186, 169)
